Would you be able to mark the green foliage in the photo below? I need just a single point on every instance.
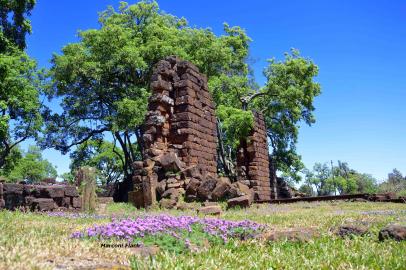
(236, 122)
(20, 107)
(286, 100)
(68, 177)
(395, 182)
(102, 155)
(86, 177)
(306, 189)
(13, 22)
(107, 92)
(29, 166)
(339, 179)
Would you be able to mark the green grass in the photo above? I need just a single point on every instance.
(32, 241)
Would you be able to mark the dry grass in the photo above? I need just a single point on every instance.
(33, 241)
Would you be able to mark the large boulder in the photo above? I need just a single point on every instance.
(396, 232)
(170, 162)
(206, 187)
(71, 191)
(192, 172)
(221, 189)
(192, 187)
(210, 210)
(13, 188)
(239, 189)
(52, 192)
(242, 201)
(43, 204)
(167, 203)
(351, 230)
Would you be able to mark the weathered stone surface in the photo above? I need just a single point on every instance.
(243, 201)
(172, 193)
(396, 232)
(76, 202)
(210, 210)
(71, 191)
(145, 251)
(170, 162)
(52, 192)
(220, 191)
(206, 187)
(167, 203)
(192, 187)
(253, 159)
(13, 188)
(43, 204)
(192, 172)
(161, 187)
(351, 230)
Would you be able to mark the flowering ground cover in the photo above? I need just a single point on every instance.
(44, 241)
(172, 233)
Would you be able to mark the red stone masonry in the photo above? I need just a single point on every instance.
(180, 120)
(253, 160)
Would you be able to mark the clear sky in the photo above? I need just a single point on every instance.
(359, 46)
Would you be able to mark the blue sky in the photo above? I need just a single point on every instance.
(359, 46)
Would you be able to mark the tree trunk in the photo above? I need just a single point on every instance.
(273, 178)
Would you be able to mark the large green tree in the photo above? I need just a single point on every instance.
(103, 80)
(20, 107)
(103, 84)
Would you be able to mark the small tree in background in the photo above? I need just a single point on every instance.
(86, 180)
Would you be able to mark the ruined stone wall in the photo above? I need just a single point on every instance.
(253, 160)
(39, 197)
(179, 131)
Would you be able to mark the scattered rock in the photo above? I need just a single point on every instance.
(294, 235)
(206, 187)
(167, 203)
(210, 210)
(351, 230)
(192, 187)
(243, 201)
(172, 193)
(396, 232)
(222, 186)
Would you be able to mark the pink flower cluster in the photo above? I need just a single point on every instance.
(152, 225)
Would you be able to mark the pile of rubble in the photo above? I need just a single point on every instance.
(39, 197)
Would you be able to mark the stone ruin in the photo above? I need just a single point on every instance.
(253, 160)
(180, 146)
(39, 197)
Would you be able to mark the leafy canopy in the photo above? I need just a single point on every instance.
(20, 116)
(31, 167)
(103, 80)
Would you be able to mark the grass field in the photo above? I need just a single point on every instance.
(35, 241)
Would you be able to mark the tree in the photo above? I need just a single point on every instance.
(32, 167)
(394, 183)
(342, 179)
(107, 159)
(20, 116)
(106, 93)
(14, 24)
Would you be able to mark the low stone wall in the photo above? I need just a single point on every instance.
(39, 197)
